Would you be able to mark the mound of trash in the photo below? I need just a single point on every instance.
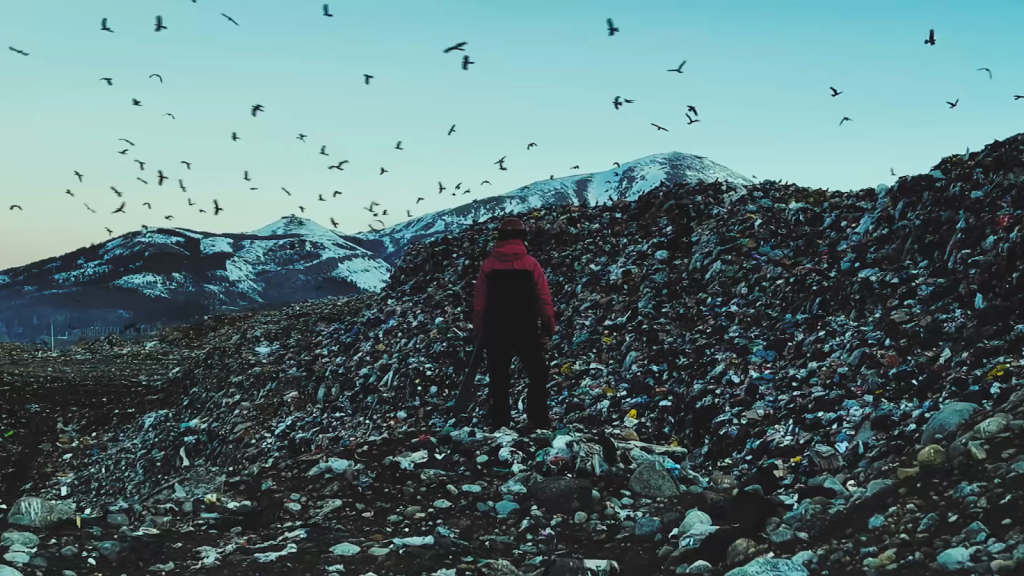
(747, 380)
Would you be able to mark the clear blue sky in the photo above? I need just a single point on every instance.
(545, 72)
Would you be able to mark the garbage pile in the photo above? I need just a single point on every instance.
(747, 380)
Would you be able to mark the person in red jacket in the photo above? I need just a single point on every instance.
(512, 310)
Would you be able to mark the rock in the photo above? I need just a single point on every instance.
(928, 523)
(739, 552)
(932, 456)
(954, 559)
(976, 450)
(806, 557)
(975, 530)
(647, 528)
(876, 487)
(26, 539)
(1003, 566)
(700, 567)
(652, 480)
(68, 551)
(110, 548)
(17, 557)
(992, 426)
(579, 517)
(876, 522)
(117, 520)
(37, 512)
(946, 421)
(345, 549)
(562, 495)
(769, 567)
(8, 571)
(162, 567)
(693, 519)
(782, 535)
(904, 473)
(504, 508)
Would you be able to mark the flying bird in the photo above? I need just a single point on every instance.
(692, 109)
(485, 182)
(408, 213)
(466, 62)
(168, 217)
(459, 185)
(104, 27)
(321, 198)
(323, 151)
(690, 120)
(440, 188)
(147, 205)
(190, 202)
(953, 104)
(845, 119)
(301, 136)
(628, 101)
(158, 77)
(160, 23)
(501, 161)
(336, 194)
(334, 223)
(286, 191)
(611, 28)
(418, 200)
(381, 223)
(327, 12)
(88, 208)
(216, 208)
(230, 19)
(338, 166)
(576, 167)
(171, 115)
(234, 137)
(160, 177)
(834, 92)
(109, 81)
(123, 152)
(120, 209)
(986, 70)
(452, 129)
(931, 37)
(16, 51)
(79, 174)
(531, 145)
(117, 192)
(201, 211)
(143, 181)
(460, 46)
(617, 102)
(13, 206)
(188, 165)
(109, 231)
(680, 69)
(136, 102)
(659, 127)
(181, 184)
(142, 165)
(1017, 97)
(256, 108)
(130, 143)
(246, 177)
(399, 145)
(382, 171)
(302, 209)
(367, 78)
(69, 193)
(892, 171)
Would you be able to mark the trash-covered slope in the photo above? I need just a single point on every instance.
(767, 377)
(173, 275)
(626, 182)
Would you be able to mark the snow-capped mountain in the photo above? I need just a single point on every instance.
(626, 182)
(175, 274)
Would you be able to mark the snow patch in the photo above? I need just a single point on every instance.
(217, 244)
(152, 285)
(367, 274)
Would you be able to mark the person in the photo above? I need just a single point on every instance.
(512, 310)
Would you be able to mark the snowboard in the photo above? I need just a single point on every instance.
(467, 391)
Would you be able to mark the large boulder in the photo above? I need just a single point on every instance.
(652, 480)
(947, 421)
(769, 567)
(562, 495)
(38, 512)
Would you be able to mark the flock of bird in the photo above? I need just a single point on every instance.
(375, 209)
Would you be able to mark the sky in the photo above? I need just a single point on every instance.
(758, 72)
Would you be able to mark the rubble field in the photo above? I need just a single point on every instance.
(755, 380)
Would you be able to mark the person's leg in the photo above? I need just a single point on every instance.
(499, 361)
(531, 354)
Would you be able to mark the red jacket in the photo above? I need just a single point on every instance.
(511, 255)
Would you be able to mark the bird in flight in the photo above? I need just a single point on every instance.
(188, 165)
(201, 211)
(501, 161)
(16, 51)
(338, 166)
(109, 81)
(147, 205)
(117, 192)
(460, 47)
(986, 70)
(142, 165)
(845, 119)
(79, 174)
(531, 145)
(168, 217)
(931, 38)
(892, 171)
(136, 102)
(327, 12)
(123, 152)
(143, 181)
(440, 188)
(336, 194)
(130, 143)
(104, 27)
(69, 193)
(485, 182)
(659, 127)
(690, 120)
(688, 109)
(286, 191)
(120, 209)
(953, 104)
(302, 209)
(216, 208)
(1018, 97)
(88, 208)
(13, 206)
(109, 231)
(381, 223)
(680, 69)
(246, 176)
(576, 167)
(158, 77)
(834, 92)
(418, 200)
(334, 223)
(301, 137)
(382, 171)
(611, 28)
(160, 177)
(628, 101)
(181, 184)
(160, 23)
(466, 62)
(367, 78)
(617, 102)
(323, 151)
(452, 129)
(230, 19)
(234, 137)
(256, 108)
(459, 185)
(171, 115)
(321, 198)
(190, 202)
(399, 146)
(408, 213)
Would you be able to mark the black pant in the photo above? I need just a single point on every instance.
(530, 352)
